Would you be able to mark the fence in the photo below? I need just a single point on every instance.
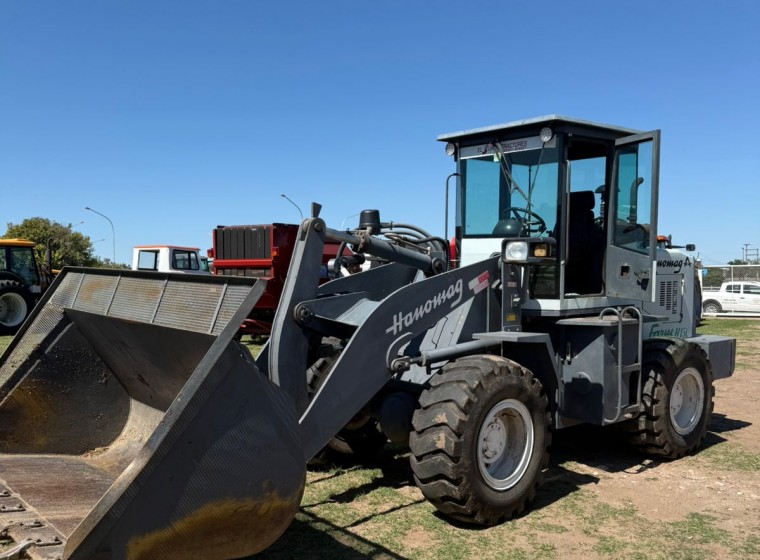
(741, 299)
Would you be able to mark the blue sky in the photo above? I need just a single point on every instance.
(171, 117)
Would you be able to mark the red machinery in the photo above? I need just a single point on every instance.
(260, 251)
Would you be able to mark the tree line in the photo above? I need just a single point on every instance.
(58, 243)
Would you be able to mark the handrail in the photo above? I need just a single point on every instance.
(620, 314)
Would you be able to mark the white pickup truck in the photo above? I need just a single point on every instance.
(737, 296)
(169, 258)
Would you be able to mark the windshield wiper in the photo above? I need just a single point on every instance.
(513, 186)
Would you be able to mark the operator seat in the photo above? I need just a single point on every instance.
(585, 247)
(508, 227)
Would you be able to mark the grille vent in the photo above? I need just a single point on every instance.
(670, 295)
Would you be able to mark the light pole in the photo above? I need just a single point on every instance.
(113, 231)
(294, 204)
(343, 223)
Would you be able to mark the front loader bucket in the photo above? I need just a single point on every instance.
(134, 426)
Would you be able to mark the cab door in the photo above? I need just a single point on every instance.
(750, 298)
(731, 297)
(631, 266)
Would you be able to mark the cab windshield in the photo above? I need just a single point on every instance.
(510, 194)
(22, 264)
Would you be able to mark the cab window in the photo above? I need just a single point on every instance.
(185, 260)
(519, 185)
(147, 260)
(633, 203)
(22, 264)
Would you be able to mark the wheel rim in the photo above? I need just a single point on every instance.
(12, 309)
(687, 401)
(711, 308)
(505, 444)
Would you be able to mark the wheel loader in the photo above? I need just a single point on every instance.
(133, 425)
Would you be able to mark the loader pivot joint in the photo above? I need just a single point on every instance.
(400, 365)
(302, 313)
(438, 265)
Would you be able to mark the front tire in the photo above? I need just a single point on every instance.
(15, 305)
(678, 400)
(712, 307)
(480, 440)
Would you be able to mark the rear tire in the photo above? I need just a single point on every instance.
(678, 400)
(359, 440)
(480, 440)
(712, 306)
(16, 304)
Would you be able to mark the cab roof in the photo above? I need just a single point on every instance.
(17, 243)
(181, 247)
(546, 120)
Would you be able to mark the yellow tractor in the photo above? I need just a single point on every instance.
(20, 283)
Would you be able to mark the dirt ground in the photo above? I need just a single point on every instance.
(600, 499)
(720, 483)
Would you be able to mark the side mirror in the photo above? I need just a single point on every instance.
(691, 247)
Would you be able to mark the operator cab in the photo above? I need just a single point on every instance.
(17, 263)
(588, 191)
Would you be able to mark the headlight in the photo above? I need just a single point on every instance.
(516, 251)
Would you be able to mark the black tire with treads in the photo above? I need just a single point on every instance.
(361, 439)
(449, 443)
(678, 399)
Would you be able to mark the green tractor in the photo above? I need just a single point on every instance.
(21, 283)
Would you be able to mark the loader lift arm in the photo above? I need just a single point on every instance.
(377, 312)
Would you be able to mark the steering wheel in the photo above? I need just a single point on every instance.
(532, 223)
